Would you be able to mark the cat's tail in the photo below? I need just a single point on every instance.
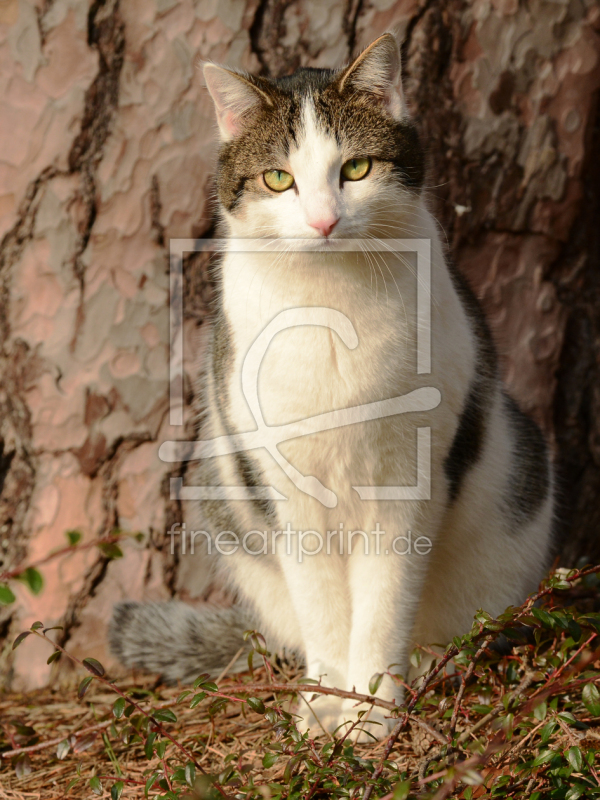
(179, 642)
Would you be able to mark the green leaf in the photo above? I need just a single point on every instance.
(592, 620)
(95, 667)
(540, 711)
(257, 640)
(547, 731)
(543, 758)
(164, 715)
(401, 791)
(567, 717)
(83, 687)
(150, 783)
(95, 785)
(575, 792)
(116, 790)
(542, 616)
(269, 759)
(111, 550)
(73, 537)
(6, 595)
(149, 746)
(32, 578)
(22, 766)
(190, 773)
(20, 638)
(290, 767)
(197, 698)
(161, 748)
(575, 758)
(574, 630)
(119, 707)
(591, 699)
(256, 704)
(54, 657)
(63, 749)
(375, 682)
(201, 680)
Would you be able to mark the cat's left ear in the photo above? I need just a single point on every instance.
(236, 97)
(377, 71)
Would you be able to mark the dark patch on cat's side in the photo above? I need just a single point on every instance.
(352, 116)
(529, 480)
(221, 515)
(252, 478)
(468, 440)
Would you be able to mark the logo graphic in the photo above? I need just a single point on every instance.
(269, 437)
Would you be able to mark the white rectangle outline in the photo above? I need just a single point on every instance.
(177, 248)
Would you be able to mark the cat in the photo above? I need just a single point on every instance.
(314, 159)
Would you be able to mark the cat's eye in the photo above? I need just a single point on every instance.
(278, 180)
(356, 168)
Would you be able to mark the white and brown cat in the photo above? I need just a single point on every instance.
(319, 157)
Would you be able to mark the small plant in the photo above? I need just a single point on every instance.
(520, 721)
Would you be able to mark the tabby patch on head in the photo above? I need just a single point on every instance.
(318, 154)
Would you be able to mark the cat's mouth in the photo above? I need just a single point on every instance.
(319, 245)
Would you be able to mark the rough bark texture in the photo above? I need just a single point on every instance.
(106, 152)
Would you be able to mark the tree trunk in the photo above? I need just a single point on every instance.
(107, 151)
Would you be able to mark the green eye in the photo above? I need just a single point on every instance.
(278, 180)
(356, 168)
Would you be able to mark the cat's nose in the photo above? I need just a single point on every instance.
(325, 225)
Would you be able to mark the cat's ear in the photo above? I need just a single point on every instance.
(235, 97)
(377, 71)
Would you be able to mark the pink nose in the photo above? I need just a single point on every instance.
(324, 226)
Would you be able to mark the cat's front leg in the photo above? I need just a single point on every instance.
(316, 584)
(386, 584)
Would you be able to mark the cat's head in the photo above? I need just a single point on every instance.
(320, 154)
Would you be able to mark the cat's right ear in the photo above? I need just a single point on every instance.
(235, 98)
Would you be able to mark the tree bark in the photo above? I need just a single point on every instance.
(107, 148)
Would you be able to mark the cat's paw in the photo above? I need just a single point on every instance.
(320, 716)
(374, 724)
(333, 716)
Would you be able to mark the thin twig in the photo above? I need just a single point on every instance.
(111, 538)
(465, 678)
